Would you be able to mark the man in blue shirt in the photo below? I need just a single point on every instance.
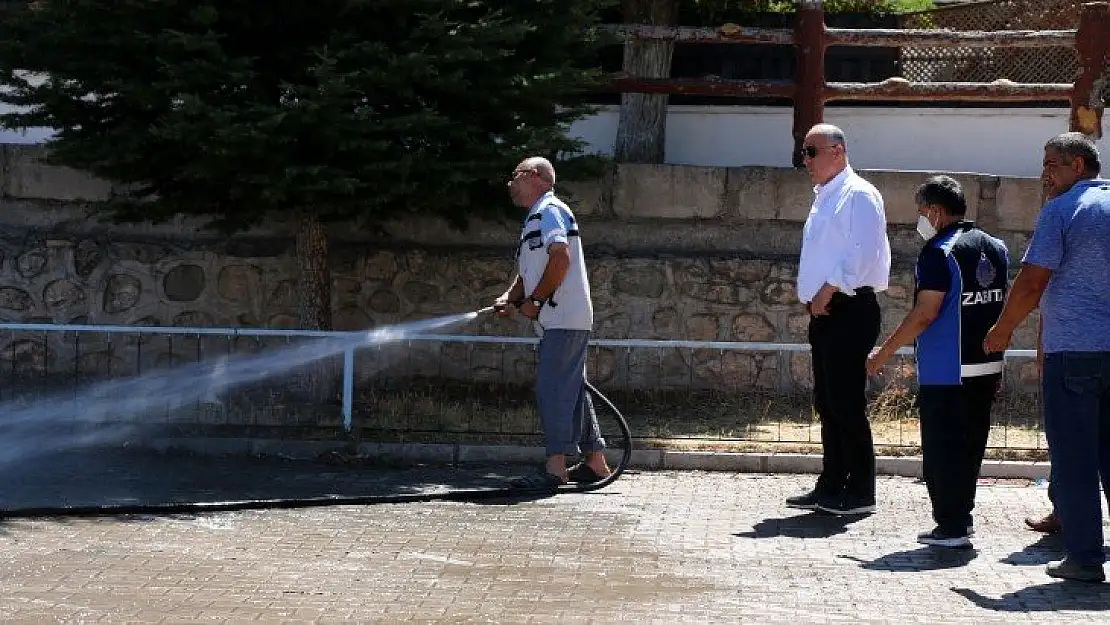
(961, 283)
(1065, 270)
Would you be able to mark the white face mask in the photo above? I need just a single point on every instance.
(925, 228)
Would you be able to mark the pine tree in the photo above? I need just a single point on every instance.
(239, 110)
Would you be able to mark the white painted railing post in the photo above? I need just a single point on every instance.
(348, 386)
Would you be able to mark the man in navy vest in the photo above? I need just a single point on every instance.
(961, 285)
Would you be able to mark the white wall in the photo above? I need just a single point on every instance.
(29, 136)
(997, 141)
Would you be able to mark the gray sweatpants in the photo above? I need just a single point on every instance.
(566, 410)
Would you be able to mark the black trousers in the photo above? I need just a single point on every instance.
(841, 342)
(955, 423)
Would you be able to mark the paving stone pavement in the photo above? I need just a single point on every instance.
(656, 547)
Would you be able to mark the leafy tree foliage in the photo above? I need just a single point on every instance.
(237, 110)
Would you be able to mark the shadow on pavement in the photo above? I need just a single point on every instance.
(1053, 596)
(916, 560)
(1045, 550)
(811, 525)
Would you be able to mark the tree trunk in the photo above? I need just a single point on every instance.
(314, 279)
(642, 126)
(319, 380)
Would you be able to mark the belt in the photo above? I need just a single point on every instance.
(841, 296)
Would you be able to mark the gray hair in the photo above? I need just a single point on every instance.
(833, 134)
(542, 166)
(1076, 144)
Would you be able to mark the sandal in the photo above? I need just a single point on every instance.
(581, 473)
(542, 481)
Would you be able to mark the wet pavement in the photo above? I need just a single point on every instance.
(660, 547)
(115, 477)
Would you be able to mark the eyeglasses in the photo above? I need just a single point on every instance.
(521, 173)
(810, 151)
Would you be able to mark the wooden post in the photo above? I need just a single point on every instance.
(811, 39)
(1092, 42)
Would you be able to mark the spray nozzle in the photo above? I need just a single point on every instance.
(496, 308)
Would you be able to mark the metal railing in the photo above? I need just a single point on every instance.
(461, 383)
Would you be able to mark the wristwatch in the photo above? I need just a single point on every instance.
(537, 302)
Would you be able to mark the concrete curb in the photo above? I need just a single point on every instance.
(649, 459)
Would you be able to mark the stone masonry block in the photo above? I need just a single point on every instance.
(898, 190)
(26, 176)
(751, 193)
(668, 191)
(589, 197)
(988, 187)
(1019, 203)
(794, 194)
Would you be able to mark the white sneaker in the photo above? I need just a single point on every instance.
(937, 538)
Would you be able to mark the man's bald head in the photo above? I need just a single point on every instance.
(532, 178)
(541, 166)
(833, 134)
(824, 152)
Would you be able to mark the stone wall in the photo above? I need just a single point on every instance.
(675, 252)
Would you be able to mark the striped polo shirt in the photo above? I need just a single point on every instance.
(550, 221)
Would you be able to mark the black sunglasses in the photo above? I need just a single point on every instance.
(811, 151)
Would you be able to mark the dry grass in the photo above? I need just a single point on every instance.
(682, 419)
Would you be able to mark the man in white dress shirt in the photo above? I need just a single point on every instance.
(845, 261)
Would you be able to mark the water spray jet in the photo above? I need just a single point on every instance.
(25, 429)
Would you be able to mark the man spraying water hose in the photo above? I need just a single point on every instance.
(552, 289)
